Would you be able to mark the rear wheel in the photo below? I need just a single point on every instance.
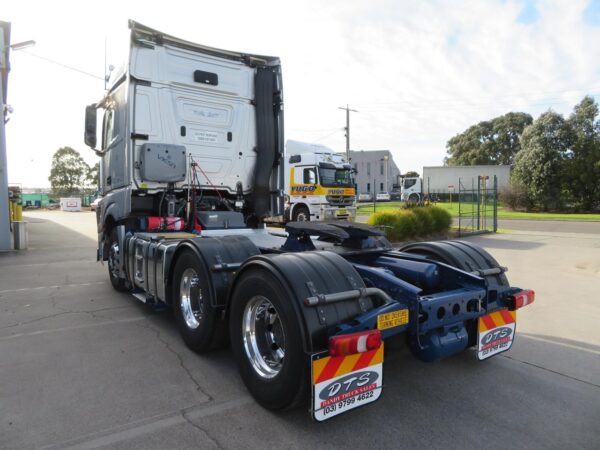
(195, 316)
(266, 341)
(464, 256)
(120, 284)
(301, 214)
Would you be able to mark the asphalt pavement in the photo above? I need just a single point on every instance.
(84, 366)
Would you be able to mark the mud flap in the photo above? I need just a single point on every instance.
(343, 383)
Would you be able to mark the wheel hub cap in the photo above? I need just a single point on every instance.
(264, 337)
(190, 297)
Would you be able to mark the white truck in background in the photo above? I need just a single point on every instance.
(319, 184)
(439, 182)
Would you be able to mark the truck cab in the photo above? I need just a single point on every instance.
(320, 184)
(411, 189)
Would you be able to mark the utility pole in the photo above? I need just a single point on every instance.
(5, 48)
(347, 109)
(4, 68)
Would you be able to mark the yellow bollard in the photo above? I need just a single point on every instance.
(19, 212)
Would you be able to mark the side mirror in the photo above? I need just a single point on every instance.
(90, 126)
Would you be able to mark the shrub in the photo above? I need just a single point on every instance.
(403, 224)
(424, 220)
(388, 221)
(408, 224)
(442, 219)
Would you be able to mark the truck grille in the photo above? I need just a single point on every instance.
(340, 200)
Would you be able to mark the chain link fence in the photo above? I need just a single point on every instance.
(478, 206)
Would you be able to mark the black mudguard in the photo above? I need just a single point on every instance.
(221, 257)
(308, 274)
(460, 254)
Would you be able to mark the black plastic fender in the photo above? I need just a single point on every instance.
(462, 255)
(308, 274)
(221, 257)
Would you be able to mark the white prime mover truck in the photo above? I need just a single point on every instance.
(192, 163)
(440, 182)
(319, 183)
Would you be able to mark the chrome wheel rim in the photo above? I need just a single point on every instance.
(113, 256)
(190, 299)
(301, 217)
(264, 337)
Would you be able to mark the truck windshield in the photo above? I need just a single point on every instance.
(336, 177)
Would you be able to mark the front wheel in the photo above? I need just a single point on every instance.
(413, 198)
(114, 252)
(301, 214)
(266, 341)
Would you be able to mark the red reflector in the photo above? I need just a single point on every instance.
(349, 344)
(523, 298)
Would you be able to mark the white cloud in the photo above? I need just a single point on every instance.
(418, 72)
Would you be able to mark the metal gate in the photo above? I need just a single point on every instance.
(478, 206)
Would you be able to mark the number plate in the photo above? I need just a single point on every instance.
(342, 212)
(496, 333)
(392, 319)
(343, 383)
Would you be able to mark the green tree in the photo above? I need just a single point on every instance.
(68, 172)
(92, 178)
(539, 165)
(495, 141)
(582, 165)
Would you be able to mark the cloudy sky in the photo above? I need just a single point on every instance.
(418, 72)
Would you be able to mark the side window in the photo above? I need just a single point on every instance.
(368, 168)
(381, 169)
(381, 187)
(368, 187)
(108, 128)
(409, 183)
(310, 175)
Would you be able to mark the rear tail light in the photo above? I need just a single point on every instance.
(349, 344)
(523, 298)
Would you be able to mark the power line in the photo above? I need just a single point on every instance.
(492, 98)
(83, 72)
(327, 135)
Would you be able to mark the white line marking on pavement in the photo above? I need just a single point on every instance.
(51, 287)
(114, 435)
(563, 344)
(76, 327)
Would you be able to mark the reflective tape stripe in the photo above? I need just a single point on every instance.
(331, 367)
(497, 319)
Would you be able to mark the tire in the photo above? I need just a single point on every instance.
(464, 256)
(268, 348)
(301, 214)
(118, 283)
(414, 198)
(195, 316)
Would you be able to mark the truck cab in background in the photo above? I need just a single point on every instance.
(411, 189)
(319, 184)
